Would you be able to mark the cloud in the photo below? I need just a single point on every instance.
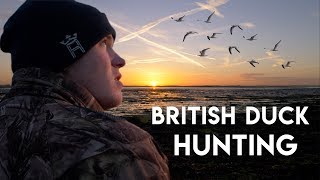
(228, 63)
(160, 46)
(271, 56)
(212, 5)
(247, 25)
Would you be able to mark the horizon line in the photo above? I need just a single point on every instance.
(8, 86)
(229, 86)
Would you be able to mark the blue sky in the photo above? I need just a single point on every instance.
(151, 42)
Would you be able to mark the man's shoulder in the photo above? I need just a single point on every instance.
(100, 124)
(61, 116)
(69, 133)
(117, 147)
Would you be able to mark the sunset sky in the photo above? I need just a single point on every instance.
(151, 42)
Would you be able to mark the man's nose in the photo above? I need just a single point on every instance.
(118, 61)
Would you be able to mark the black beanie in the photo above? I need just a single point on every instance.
(52, 34)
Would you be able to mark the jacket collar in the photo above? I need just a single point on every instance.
(43, 82)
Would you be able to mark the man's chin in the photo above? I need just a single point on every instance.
(113, 104)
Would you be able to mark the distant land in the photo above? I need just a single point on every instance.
(231, 86)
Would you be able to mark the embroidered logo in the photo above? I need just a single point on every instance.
(2, 110)
(73, 45)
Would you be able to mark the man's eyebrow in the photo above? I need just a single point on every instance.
(110, 37)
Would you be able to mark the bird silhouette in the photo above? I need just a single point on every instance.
(179, 19)
(203, 52)
(233, 26)
(287, 65)
(275, 46)
(252, 37)
(213, 35)
(233, 47)
(208, 20)
(252, 62)
(188, 33)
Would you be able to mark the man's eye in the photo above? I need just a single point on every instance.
(111, 52)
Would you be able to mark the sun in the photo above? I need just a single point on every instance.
(153, 83)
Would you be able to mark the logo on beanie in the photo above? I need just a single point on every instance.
(73, 45)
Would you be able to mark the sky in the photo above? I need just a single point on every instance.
(151, 41)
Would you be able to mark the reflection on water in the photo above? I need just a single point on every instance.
(138, 100)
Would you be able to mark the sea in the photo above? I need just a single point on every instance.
(140, 100)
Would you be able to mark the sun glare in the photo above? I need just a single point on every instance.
(153, 83)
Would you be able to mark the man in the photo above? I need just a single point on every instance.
(52, 122)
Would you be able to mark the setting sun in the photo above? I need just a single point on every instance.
(153, 83)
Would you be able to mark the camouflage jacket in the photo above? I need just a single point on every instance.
(54, 129)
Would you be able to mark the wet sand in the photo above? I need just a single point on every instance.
(303, 164)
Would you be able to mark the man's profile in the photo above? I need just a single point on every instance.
(66, 74)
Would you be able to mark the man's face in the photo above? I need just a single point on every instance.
(101, 74)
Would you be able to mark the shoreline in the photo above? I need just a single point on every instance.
(305, 162)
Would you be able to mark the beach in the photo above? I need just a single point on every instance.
(304, 163)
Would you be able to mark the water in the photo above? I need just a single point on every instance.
(140, 100)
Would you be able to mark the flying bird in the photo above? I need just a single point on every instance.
(252, 62)
(208, 20)
(190, 32)
(179, 19)
(213, 35)
(203, 52)
(287, 65)
(233, 47)
(233, 26)
(275, 46)
(252, 37)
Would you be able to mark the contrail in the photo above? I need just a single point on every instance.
(211, 6)
(149, 26)
(147, 61)
(197, 55)
(159, 46)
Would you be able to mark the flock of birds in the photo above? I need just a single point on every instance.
(231, 48)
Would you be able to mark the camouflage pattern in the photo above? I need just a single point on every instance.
(54, 129)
